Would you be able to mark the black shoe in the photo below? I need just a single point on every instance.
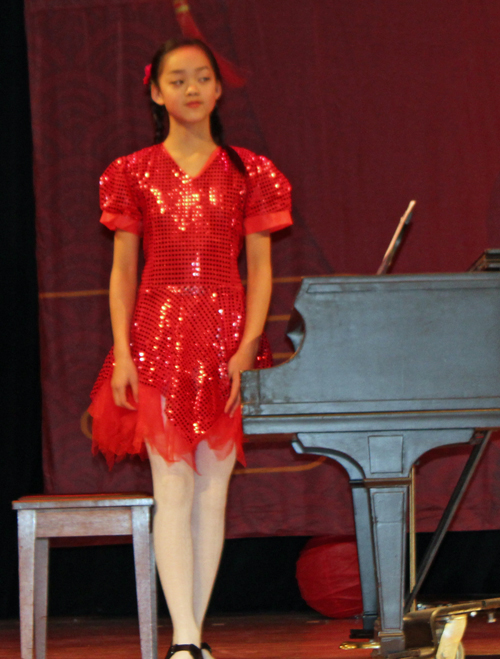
(193, 650)
(205, 646)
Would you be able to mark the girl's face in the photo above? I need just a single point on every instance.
(187, 85)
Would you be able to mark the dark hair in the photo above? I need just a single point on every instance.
(160, 116)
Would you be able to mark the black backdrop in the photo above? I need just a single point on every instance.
(20, 461)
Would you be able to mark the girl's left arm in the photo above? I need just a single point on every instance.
(259, 285)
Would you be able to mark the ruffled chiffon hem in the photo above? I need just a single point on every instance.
(118, 432)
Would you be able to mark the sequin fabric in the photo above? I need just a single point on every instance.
(190, 309)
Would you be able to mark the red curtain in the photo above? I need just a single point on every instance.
(363, 105)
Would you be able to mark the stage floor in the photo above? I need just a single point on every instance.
(283, 636)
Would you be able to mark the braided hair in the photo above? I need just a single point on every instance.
(159, 112)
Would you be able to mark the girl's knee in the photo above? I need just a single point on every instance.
(212, 495)
(211, 466)
(173, 483)
(174, 489)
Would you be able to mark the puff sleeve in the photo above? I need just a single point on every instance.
(120, 209)
(268, 203)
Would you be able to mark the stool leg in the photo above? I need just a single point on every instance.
(145, 581)
(152, 581)
(41, 589)
(26, 530)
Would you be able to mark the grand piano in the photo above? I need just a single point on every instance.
(384, 370)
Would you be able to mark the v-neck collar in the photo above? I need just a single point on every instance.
(207, 164)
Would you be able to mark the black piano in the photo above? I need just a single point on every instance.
(385, 369)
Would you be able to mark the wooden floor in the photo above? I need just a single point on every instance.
(285, 636)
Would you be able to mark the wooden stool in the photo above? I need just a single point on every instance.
(42, 517)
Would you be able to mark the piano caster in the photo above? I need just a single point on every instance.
(368, 630)
(362, 633)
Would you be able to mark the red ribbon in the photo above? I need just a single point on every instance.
(229, 71)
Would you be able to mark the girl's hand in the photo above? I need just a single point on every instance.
(242, 360)
(124, 376)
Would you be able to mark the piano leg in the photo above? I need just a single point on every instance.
(388, 509)
(366, 559)
(364, 540)
(382, 461)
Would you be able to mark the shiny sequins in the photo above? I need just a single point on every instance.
(190, 309)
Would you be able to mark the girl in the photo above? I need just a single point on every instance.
(171, 384)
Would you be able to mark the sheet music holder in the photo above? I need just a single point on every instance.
(488, 261)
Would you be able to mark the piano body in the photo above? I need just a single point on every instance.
(385, 369)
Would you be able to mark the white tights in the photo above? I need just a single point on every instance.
(188, 534)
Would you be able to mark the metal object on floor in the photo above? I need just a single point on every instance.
(434, 632)
(360, 645)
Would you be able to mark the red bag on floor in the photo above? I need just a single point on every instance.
(328, 576)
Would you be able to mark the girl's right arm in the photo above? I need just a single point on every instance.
(122, 292)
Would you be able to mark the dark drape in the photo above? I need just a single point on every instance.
(20, 462)
(363, 105)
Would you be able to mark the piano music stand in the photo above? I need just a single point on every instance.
(489, 261)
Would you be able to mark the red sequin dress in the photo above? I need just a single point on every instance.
(190, 310)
